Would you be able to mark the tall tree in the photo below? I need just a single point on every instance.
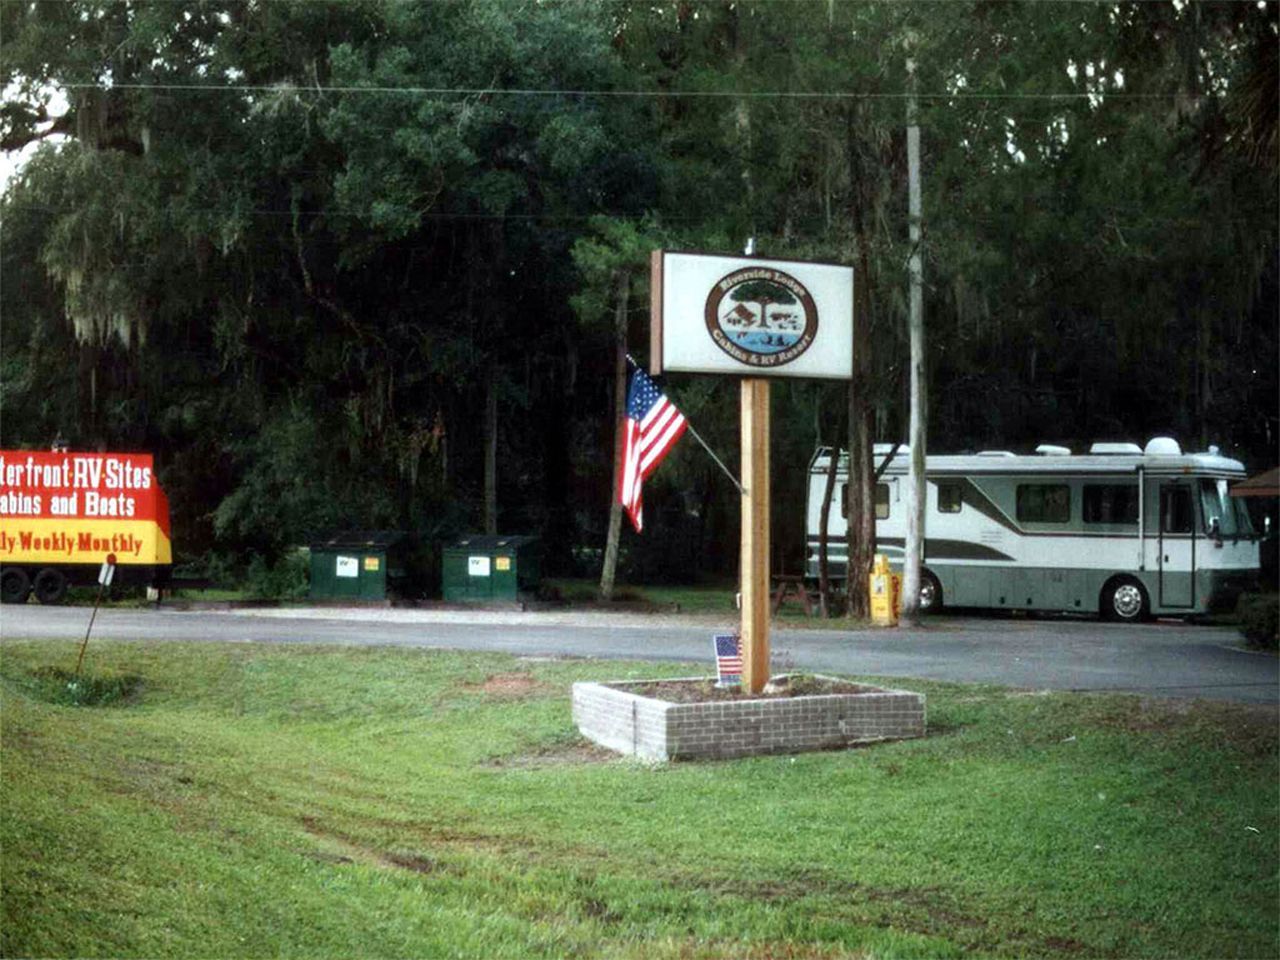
(290, 245)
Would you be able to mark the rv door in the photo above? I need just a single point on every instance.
(1177, 545)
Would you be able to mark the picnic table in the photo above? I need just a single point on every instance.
(787, 587)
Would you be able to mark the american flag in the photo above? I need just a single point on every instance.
(652, 426)
(729, 658)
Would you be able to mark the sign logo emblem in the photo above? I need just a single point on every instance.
(761, 317)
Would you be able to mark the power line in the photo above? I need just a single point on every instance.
(614, 94)
(1092, 3)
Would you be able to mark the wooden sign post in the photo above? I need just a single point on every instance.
(754, 318)
(754, 564)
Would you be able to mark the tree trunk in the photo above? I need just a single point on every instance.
(825, 585)
(824, 566)
(860, 536)
(763, 322)
(491, 453)
(610, 568)
(1204, 380)
(861, 533)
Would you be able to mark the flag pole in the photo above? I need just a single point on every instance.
(711, 453)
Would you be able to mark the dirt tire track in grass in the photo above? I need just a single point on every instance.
(927, 911)
(510, 686)
(343, 848)
(578, 753)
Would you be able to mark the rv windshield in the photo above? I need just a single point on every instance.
(1233, 518)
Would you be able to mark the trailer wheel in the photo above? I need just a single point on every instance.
(50, 586)
(930, 593)
(15, 585)
(1124, 599)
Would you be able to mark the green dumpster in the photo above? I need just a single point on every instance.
(481, 568)
(354, 565)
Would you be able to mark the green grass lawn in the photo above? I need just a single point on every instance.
(701, 599)
(251, 801)
(717, 598)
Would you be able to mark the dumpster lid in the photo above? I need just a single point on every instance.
(493, 541)
(357, 540)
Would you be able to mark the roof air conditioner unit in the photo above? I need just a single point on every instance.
(1163, 447)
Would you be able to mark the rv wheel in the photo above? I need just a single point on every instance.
(1124, 599)
(15, 585)
(930, 593)
(50, 586)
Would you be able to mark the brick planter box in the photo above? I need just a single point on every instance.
(613, 716)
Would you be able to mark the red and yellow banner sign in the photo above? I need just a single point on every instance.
(79, 507)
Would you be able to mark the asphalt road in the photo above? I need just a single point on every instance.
(1169, 659)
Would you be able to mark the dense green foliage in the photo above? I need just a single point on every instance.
(291, 801)
(1259, 616)
(294, 247)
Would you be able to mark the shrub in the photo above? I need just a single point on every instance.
(286, 579)
(1259, 615)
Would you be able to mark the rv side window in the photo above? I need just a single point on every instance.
(1177, 510)
(1044, 503)
(949, 498)
(882, 501)
(1115, 503)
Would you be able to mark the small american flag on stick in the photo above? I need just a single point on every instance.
(728, 659)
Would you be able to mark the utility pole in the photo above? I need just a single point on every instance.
(915, 325)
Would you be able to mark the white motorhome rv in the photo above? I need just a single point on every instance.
(1122, 531)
